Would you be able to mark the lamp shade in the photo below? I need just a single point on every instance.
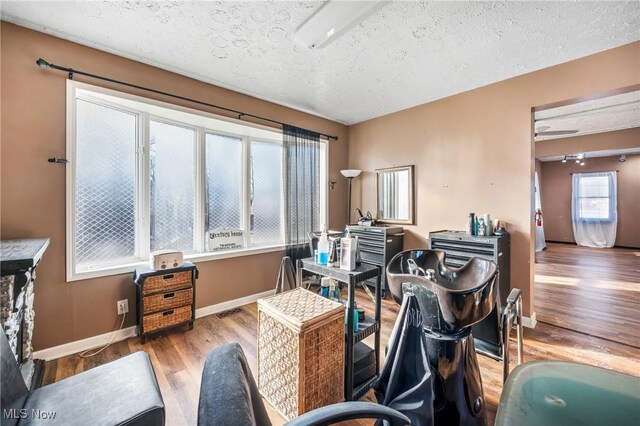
(350, 173)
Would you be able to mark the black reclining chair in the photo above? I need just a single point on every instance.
(229, 396)
(121, 392)
(491, 335)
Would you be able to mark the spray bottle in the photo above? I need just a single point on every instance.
(323, 248)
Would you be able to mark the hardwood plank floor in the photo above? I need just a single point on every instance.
(590, 290)
(178, 357)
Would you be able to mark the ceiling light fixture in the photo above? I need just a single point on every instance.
(577, 158)
(622, 158)
(332, 20)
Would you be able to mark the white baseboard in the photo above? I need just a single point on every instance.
(235, 303)
(530, 322)
(97, 341)
(84, 344)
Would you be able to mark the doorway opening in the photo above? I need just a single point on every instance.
(586, 214)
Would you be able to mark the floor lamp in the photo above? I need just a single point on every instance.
(350, 174)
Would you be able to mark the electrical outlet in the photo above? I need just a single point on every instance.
(123, 306)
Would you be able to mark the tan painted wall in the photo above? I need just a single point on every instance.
(619, 139)
(473, 151)
(33, 191)
(556, 197)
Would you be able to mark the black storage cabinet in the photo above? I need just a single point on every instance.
(378, 245)
(460, 247)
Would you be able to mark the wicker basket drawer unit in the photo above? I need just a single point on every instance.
(300, 351)
(165, 298)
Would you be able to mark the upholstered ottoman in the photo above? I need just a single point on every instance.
(121, 392)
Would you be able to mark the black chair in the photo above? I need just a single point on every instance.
(491, 336)
(121, 392)
(229, 396)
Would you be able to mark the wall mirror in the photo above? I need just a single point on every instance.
(395, 195)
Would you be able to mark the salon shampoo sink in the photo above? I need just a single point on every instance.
(450, 299)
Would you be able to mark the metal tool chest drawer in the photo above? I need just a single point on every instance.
(378, 244)
(460, 247)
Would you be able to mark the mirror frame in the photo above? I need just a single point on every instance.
(412, 195)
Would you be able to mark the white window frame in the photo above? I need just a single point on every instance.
(142, 196)
(611, 210)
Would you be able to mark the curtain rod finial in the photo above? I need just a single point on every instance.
(42, 63)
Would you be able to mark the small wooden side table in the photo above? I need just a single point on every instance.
(300, 351)
(165, 298)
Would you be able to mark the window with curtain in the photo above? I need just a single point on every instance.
(595, 197)
(145, 177)
(303, 189)
(594, 208)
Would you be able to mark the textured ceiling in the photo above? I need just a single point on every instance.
(406, 54)
(596, 116)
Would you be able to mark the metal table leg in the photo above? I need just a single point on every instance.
(377, 318)
(348, 383)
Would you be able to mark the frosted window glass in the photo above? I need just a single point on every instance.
(172, 186)
(105, 184)
(223, 182)
(266, 192)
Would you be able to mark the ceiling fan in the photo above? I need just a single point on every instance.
(542, 131)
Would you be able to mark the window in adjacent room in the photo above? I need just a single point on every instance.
(146, 175)
(594, 196)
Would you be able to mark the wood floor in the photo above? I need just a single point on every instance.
(591, 290)
(178, 356)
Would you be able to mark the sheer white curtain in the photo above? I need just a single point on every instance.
(541, 244)
(594, 209)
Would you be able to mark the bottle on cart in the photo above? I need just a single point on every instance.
(324, 287)
(323, 248)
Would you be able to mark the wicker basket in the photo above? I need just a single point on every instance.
(167, 282)
(300, 351)
(167, 318)
(164, 301)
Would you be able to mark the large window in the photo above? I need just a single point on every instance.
(594, 197)
(146, 176)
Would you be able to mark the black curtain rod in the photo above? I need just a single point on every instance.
(577, 173)
(44, 64)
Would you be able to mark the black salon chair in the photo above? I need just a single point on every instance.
(491, 336)
(229, 396)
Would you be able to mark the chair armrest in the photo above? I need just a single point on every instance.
(515, 294)
(348, 411)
